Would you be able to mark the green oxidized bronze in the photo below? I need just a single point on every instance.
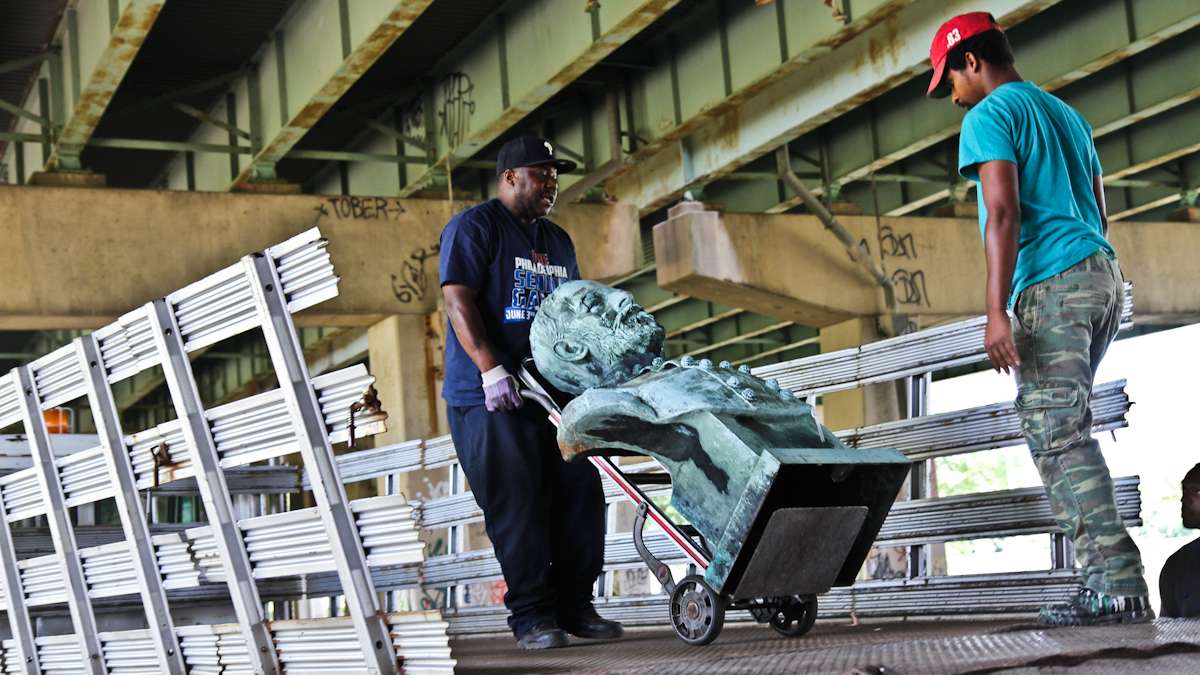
(738, 448)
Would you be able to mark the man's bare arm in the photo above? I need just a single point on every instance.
(998, 180)
(468, 325)
(1098, 188)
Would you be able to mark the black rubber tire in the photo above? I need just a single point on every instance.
(795, 616)
(697, 611)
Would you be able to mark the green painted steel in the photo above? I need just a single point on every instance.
(1059, 49)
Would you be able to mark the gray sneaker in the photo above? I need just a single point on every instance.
(544, 635)
(1090, 608)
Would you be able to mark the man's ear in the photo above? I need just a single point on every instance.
(570, 352)
(972, 62)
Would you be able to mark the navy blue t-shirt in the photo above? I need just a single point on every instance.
(511, 266)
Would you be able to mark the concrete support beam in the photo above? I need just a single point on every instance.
(153, 242)
(319, 79)
(871, 63)
(109, 62)
(567, 45)
(800, 272)
(787, 266)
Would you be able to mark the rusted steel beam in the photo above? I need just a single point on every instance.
(715, 112)
(1112, 176)
(128, 34)
(359, 59)
(630, 25)
(1055, 83)
(871, 63)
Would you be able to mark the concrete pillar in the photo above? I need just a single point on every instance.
(865, 405)
(859, 407)
(405, 357)
(400, 361)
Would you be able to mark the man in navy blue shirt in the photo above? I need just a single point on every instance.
(545, 517)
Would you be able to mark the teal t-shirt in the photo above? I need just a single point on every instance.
(1051, 144)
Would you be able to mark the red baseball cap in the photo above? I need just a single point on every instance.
(950, 34)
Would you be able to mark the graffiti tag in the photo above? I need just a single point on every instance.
(360, 208)
(458, 105)
(910, 287)
(413, 281)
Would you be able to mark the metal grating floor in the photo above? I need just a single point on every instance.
(1165, 646)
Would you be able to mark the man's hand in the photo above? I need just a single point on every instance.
(998, 341)
(500, 390)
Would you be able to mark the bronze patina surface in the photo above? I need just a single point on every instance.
(738, 447)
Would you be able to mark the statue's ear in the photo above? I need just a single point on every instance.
(570, 352)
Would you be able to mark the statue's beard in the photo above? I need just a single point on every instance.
(633, 341)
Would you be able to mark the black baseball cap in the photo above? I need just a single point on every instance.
(529, 151)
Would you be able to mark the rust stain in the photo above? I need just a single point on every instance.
(309, 115)
(128, 34)
(817, 50)
(598, 50)
(729, 129)
(886, 45)
(356, 64)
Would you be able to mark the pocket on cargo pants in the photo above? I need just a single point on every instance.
(1050, 421)
(1050, 417)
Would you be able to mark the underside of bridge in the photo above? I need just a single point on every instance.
(145, 143)
(370, 105)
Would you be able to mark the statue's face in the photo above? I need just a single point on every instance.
(588, 335)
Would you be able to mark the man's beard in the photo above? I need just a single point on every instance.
(534, 208)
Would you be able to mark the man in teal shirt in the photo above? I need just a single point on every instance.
(1041, 214)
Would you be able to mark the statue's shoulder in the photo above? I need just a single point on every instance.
(676, 387)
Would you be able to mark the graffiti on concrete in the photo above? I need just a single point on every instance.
(346, 207)
(909, 283)
(896, 246)
(412, 283)
(910, 287)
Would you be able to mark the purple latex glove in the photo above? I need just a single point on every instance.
(500, 390)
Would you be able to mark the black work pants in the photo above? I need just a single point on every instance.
(545, 517)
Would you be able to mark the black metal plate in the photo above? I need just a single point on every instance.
(801, 551)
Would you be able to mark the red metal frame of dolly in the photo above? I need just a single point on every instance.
(633, 492)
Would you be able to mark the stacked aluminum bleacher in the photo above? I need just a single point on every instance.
(335, 548)
(916, 522)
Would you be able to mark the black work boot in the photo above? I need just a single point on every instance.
(588, 624)
(1090, 608)
(544, 635)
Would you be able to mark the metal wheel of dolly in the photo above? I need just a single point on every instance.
(794, 616)
(697, 611)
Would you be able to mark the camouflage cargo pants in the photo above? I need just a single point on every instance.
(1063, 325)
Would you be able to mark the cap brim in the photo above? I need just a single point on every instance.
(563, 165)
(939, 86)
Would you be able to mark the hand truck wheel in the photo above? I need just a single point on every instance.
(795, 615)
(697, 611)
